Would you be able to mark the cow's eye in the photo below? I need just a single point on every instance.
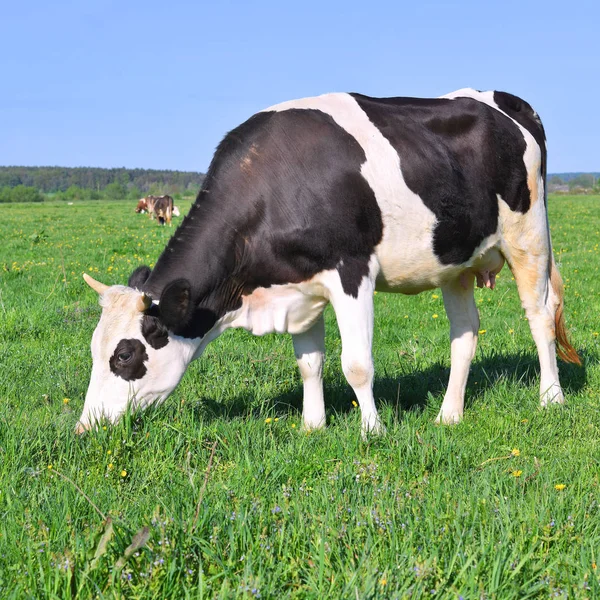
(124, 357)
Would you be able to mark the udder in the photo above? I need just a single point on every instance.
(485, 269)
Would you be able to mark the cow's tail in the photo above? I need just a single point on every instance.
(563, 347)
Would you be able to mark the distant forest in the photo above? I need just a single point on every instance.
(49, 180)
(36, 184)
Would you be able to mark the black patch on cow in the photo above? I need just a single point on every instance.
(523, 113)
(139, 277)
(457, 155)
(128, 360)
(154, 331)
(282, 201)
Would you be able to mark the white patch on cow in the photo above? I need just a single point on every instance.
(291, 308)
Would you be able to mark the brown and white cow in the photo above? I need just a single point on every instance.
(142, 206)
(325, 200)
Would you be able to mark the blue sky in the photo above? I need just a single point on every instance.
(157, 84)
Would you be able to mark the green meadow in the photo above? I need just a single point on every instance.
(219, 493)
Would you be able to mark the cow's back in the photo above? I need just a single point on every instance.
(327, 183)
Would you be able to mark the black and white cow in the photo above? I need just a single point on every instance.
(328, 199)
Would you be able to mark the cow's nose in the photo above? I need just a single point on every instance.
(81, 428)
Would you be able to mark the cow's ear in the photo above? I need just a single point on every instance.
(176, 306)
(154, 331)
(138, 278)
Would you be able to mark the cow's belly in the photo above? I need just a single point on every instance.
(408, 264)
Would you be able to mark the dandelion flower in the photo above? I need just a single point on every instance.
(50, 467)
(110, 465)
(560, 487)
(268, 420)
(482, 331)
(66, 401)
(293, 425)
(123, 473)
(517, 473)
(511, 331)
(515, 452)
(434, 296)
(434, 316)
(354, 403)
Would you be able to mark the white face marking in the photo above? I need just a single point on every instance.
(109, 394)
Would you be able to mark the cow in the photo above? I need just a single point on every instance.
(146, 205)
(163, 209)
(326, 200)
(142, 206)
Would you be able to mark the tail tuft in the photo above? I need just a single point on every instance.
(564, 349)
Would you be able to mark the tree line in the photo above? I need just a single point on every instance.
(35, 184)
(574, 183)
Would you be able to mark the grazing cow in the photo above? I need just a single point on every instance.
(142, 206)
(328, 199)
(163, 209)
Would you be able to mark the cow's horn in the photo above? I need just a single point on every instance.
(144, 302)
(95, 285)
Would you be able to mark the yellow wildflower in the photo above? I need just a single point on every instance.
(560, 487)
(110, 465)
(66, 401)
(515, 452)
(517, 473)
(268, 420)
(49, 466)
(293, 425)
(434, 296)
(354, 403)
(434, 316)
(482, 331)
(123, 473)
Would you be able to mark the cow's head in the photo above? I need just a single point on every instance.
(137, 361)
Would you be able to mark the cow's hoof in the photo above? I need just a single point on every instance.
(371, 427)
(313, 424)
(448, 418)
(552, 397)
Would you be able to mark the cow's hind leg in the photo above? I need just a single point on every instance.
(532, 274)
(309, 348)
(464, 324)
(354, 316)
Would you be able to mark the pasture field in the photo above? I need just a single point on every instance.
(218, 493)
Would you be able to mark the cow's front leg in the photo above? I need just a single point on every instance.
(355, 322)
(464, 324)
(309, 348)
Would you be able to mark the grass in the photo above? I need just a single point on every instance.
(219, 494)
